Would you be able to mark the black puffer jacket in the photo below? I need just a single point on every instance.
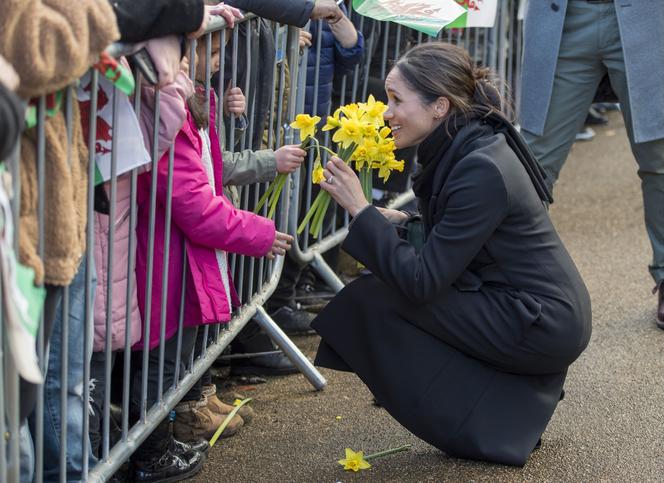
(140, 20)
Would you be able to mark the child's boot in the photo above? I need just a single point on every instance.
(195, 420)
(216, 405)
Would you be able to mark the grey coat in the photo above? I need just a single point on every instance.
(642, 32)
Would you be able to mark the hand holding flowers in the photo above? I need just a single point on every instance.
(344, 186)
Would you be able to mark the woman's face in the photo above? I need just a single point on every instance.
(410, 119)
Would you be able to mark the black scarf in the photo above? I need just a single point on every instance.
(449, 143)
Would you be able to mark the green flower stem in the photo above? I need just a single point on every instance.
(387, 452)
(276, 195)
(320, 216)
(266, 195)
(227, 420)
(311, 212)
(273, 192)
(367, 183)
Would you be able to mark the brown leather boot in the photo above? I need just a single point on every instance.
(194, 419)
(659, 289)
(216, 405)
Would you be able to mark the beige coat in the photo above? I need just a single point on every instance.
(51, 43)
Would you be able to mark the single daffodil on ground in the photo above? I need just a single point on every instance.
(306, 124)
(354, 461)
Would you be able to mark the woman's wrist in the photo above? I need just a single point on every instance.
(357, 208)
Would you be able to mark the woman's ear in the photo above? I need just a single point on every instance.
(441, 107)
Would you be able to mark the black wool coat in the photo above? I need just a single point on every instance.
(466, 343)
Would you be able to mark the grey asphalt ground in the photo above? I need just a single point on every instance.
(610, 427)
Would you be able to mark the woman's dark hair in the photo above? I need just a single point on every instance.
(437, 69)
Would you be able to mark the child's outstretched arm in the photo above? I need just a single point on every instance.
(247, 167)
(206, 218)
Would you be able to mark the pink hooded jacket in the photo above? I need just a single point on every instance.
(202, 222)
(172, 116)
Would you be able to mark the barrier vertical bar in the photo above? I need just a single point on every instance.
(131, 249)
(89, 236)
(164, 274)
(106, 419)
(150, 263)
(41, 342)
(64, 330)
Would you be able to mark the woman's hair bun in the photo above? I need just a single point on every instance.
(486, 93)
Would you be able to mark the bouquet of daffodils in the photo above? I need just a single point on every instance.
(362, 138)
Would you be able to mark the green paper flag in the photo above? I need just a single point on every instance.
(479, 13)
(427, 16)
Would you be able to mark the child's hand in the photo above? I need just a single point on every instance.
(289, 158)
(234, 101)
(281, 243)
(305, 39)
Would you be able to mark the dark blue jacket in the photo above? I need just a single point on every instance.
(334, 59)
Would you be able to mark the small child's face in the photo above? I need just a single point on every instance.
(215, 57)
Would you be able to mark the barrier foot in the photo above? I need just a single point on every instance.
(326, 273)
(290, 349)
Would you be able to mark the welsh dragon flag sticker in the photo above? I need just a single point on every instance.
(479, 13)
(427, 16)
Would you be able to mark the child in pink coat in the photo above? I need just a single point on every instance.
(204, 227)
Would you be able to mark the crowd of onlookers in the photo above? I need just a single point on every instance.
(185, 225)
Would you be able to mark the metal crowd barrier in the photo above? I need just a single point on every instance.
(498, 48)
(255, 280)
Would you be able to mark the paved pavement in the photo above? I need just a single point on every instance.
(610, 427)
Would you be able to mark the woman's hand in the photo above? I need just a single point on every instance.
(289, 158)
(234, 101)
(281, 243)
(344, 186)
(229, 13)
(393, 216)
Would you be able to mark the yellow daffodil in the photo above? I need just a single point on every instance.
(369, 131)
(317, 174)
(386, 168)
(332, 123)
(354, 461)
(306, 124)
(374, 110)
(349, 132)
(351, 111)
(360, 157)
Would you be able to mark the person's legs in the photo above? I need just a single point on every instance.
(97, 395)
(74, 362)
(649, 156)
(27, 390)
(578, 73)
